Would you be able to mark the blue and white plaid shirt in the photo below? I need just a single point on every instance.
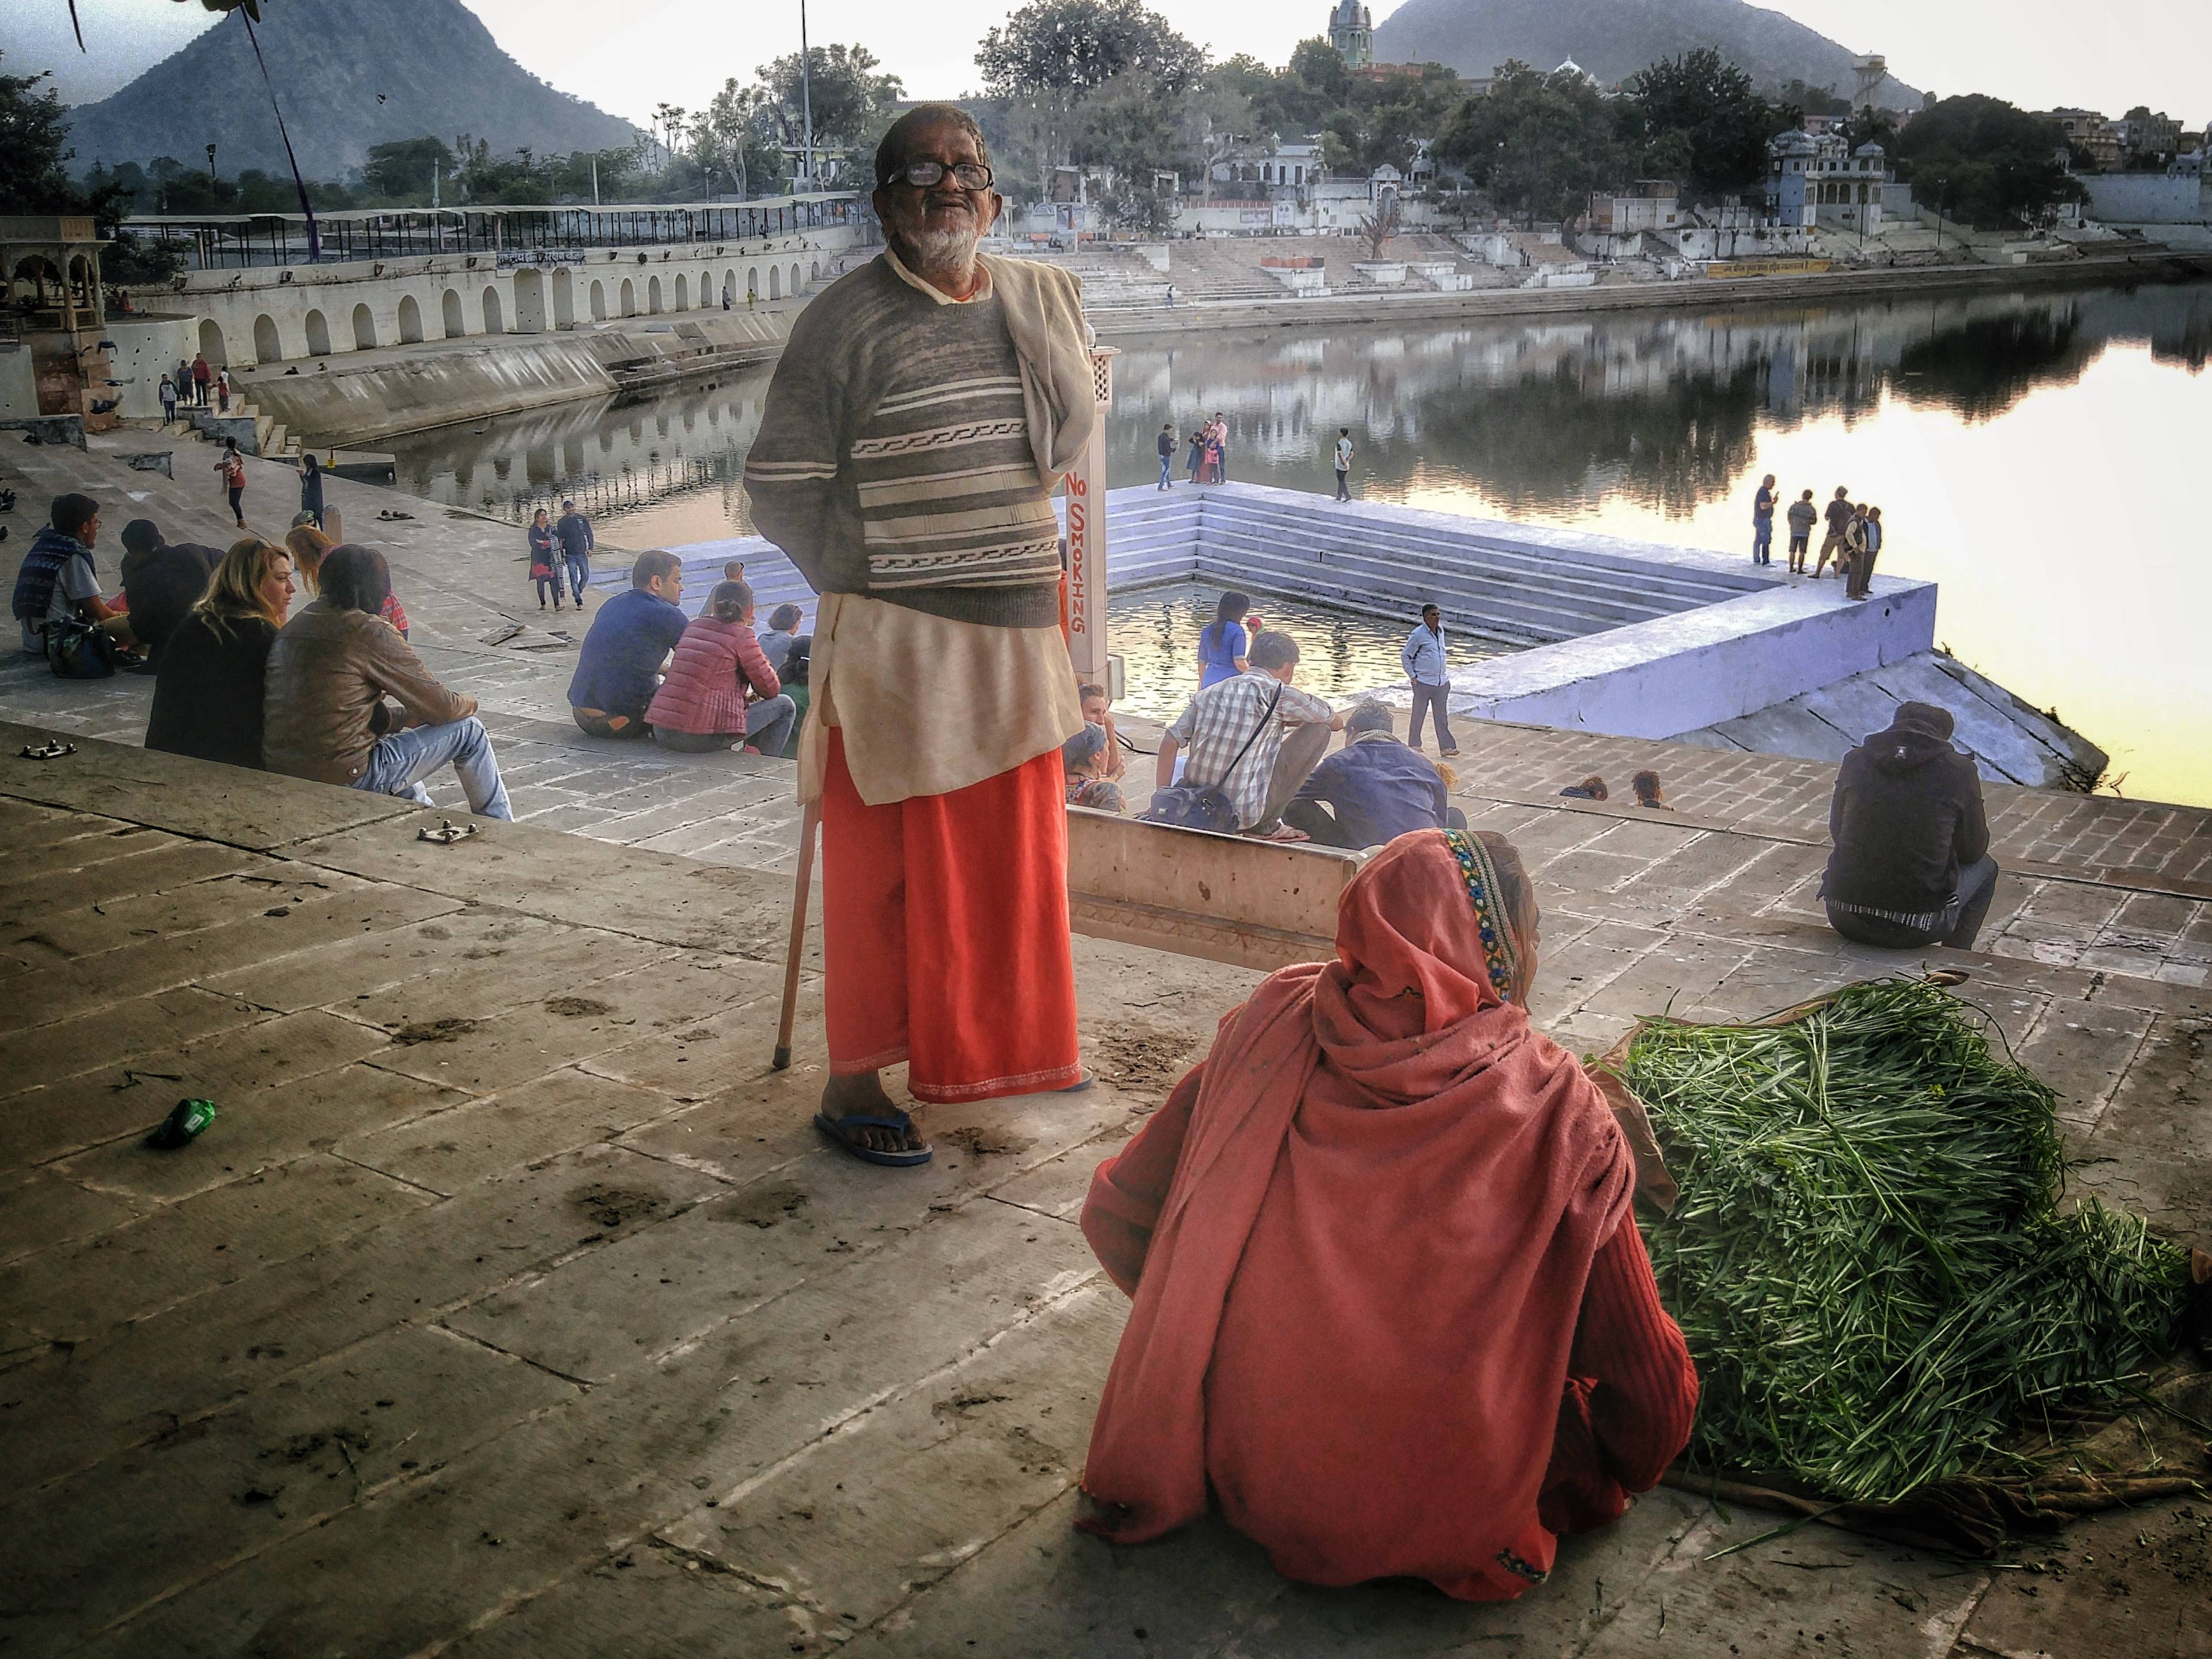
(1218, 720)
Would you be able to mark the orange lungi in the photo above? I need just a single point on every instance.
(944, 934)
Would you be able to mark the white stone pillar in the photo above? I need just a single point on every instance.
(1086, 535)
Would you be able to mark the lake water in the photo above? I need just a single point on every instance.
(2041, 458)
(1156, 631)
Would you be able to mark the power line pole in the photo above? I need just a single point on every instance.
(805, 98)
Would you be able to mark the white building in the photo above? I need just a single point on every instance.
(1821, 182)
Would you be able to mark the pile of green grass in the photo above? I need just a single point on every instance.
(1868, 1259)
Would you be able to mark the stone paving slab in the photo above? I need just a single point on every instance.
(667, 1376)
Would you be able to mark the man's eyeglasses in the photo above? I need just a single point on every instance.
(968, 175)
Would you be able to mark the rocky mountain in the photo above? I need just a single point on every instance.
(1613, 39)
(349, 74)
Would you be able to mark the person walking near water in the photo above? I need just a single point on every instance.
(311, 487)
(233, 468)
(574, 532)
(223, 391)
(1762, 523)
(1216, 449)
(1167, 447)
(1197, 460)
(1423, 662)
(1839, 539)
(1344, 464)
(168, 400)
(1803, 515)
(545, 571)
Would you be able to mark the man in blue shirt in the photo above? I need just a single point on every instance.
(1422, 659)
(1762, 522)
(618, 670)
(574, 532)
(1371, 791)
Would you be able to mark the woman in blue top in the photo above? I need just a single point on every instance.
(1222, 644)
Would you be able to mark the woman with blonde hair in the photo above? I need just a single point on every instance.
(208, 694)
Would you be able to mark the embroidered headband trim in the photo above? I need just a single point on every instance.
(1500, 959)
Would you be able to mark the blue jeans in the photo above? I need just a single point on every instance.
(399, 763)
(580, 572)
(1167, 472)
(1762, 541)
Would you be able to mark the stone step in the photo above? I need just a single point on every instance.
(1675, 588)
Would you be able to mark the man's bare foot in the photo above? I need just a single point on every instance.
(861, 1096)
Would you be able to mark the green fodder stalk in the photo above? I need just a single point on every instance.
(1867, 1258)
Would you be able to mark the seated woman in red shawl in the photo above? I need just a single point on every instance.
(1390, 1305)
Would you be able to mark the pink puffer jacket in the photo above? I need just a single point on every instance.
(707, 673)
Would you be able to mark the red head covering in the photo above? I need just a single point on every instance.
(1356, 1312)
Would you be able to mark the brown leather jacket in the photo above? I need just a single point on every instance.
(329, 672)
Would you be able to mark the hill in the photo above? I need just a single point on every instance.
(349, 74)
(1613, 39)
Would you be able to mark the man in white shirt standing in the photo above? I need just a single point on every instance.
(1423, 662)
(1344, 464)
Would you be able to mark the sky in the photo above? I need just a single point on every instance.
(2037, 54)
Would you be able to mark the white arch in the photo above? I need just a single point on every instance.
(775, 282)
(599, 298)
(318, 335)
(682, 293)
(628, 298)
(211, 342)
(268, 345)
(450, 314)
(411, 320)
(652, 296)
(493, 321)
(364, 328)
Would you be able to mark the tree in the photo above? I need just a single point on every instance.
(1984, 161)
(403, 168)
(1377, 228)
(1814, 101)
(34, 148)
(1130, 206)
(1052, 57)
(733, 133)
(852, 104)
(1078, 45)
(1539, 144)
(1723, 123)
(1320, 69)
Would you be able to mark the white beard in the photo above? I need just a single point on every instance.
(948, 249)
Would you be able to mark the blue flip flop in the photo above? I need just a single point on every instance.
(836, 1129)
(1079, 1086)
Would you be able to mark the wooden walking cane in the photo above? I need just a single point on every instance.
(808, 819)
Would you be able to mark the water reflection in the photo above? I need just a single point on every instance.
(2035, 455)
(1155, 631)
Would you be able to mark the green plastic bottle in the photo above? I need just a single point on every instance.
(183, 1125)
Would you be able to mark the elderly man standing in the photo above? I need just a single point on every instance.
(918, 418)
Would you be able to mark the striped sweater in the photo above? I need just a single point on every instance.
(895, 460)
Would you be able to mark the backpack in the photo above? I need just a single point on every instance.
(79, 650)
(1207, 805)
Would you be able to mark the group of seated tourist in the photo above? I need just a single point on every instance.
(707, 682)
(334, 693)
